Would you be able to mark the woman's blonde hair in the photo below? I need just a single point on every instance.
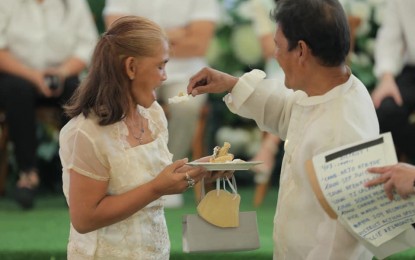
(106, 89)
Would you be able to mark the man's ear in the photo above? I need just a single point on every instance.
(303, 50)
(130, 67)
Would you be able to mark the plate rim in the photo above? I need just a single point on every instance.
(220, 166)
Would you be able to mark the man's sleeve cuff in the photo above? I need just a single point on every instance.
(244, 88)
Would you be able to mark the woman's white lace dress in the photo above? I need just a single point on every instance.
(103, 153)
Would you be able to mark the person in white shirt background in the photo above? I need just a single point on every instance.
(394, 95)
(39, 38)
(190, 26)
(320, 106)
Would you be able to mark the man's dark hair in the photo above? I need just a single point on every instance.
(321, 24)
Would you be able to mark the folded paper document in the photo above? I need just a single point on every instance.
(337, 178)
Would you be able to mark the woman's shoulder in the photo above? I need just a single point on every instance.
(87, 125)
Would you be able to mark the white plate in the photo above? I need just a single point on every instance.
(229, 166)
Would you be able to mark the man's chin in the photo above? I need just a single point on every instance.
(288, 85)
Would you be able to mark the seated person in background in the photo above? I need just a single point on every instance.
(394, 96)
(116, 164)
(38, 39)
(190, 26)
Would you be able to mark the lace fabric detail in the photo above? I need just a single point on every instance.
(143, 235)
(157, 124)
(157, 120)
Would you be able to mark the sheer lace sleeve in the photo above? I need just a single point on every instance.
(79, 153)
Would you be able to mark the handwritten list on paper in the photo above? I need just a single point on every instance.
(368, 212)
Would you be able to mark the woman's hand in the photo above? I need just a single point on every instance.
(211, 176)
(177, 177)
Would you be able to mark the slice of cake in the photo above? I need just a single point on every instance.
(221, 154)
(179, 98)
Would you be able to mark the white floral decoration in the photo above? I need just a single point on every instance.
(246, 45)
(214, 52)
